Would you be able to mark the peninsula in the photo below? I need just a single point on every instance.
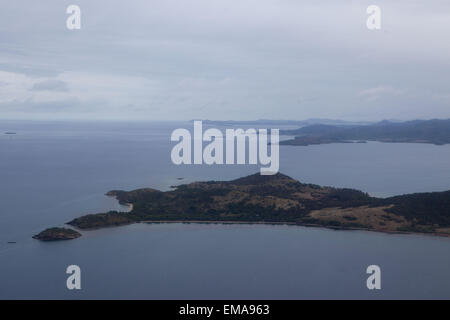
(278, 199)
(418, 131)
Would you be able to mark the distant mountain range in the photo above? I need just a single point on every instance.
(417, 131)
(272, 123)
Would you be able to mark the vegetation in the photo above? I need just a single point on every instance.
(101, 220)
(53, 234)
(279, 199)
(423, 208)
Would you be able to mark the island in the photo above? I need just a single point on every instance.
(418, 131)
(278, 199)
(55, 234)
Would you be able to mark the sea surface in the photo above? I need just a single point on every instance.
(52, 172)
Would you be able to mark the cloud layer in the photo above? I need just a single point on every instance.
(248, 59)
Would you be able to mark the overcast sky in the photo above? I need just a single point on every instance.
(224, 59)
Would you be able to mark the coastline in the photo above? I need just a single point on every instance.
(130, 207)
(308, 225)
(284, 201)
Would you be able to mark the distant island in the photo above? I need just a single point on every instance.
(278, 199)
(53, 234)
(418, 131)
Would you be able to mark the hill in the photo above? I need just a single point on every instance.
(279, 199)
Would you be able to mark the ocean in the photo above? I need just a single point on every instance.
(52, 172)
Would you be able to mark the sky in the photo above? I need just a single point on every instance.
(217, 59)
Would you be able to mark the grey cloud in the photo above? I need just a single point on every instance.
(31, 106)
(375, 93)
(270, 51)
(50, 85)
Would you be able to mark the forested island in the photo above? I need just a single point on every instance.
(278, 199)
(418, 131)
(54, 234)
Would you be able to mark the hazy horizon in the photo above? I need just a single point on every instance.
(362, 121)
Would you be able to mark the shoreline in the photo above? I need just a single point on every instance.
(285, 201)
(130, 207)
(273, 223)
(307, 225)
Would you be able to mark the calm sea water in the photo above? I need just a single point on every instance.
(53, 172)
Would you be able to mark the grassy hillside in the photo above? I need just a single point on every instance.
(279, 198)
